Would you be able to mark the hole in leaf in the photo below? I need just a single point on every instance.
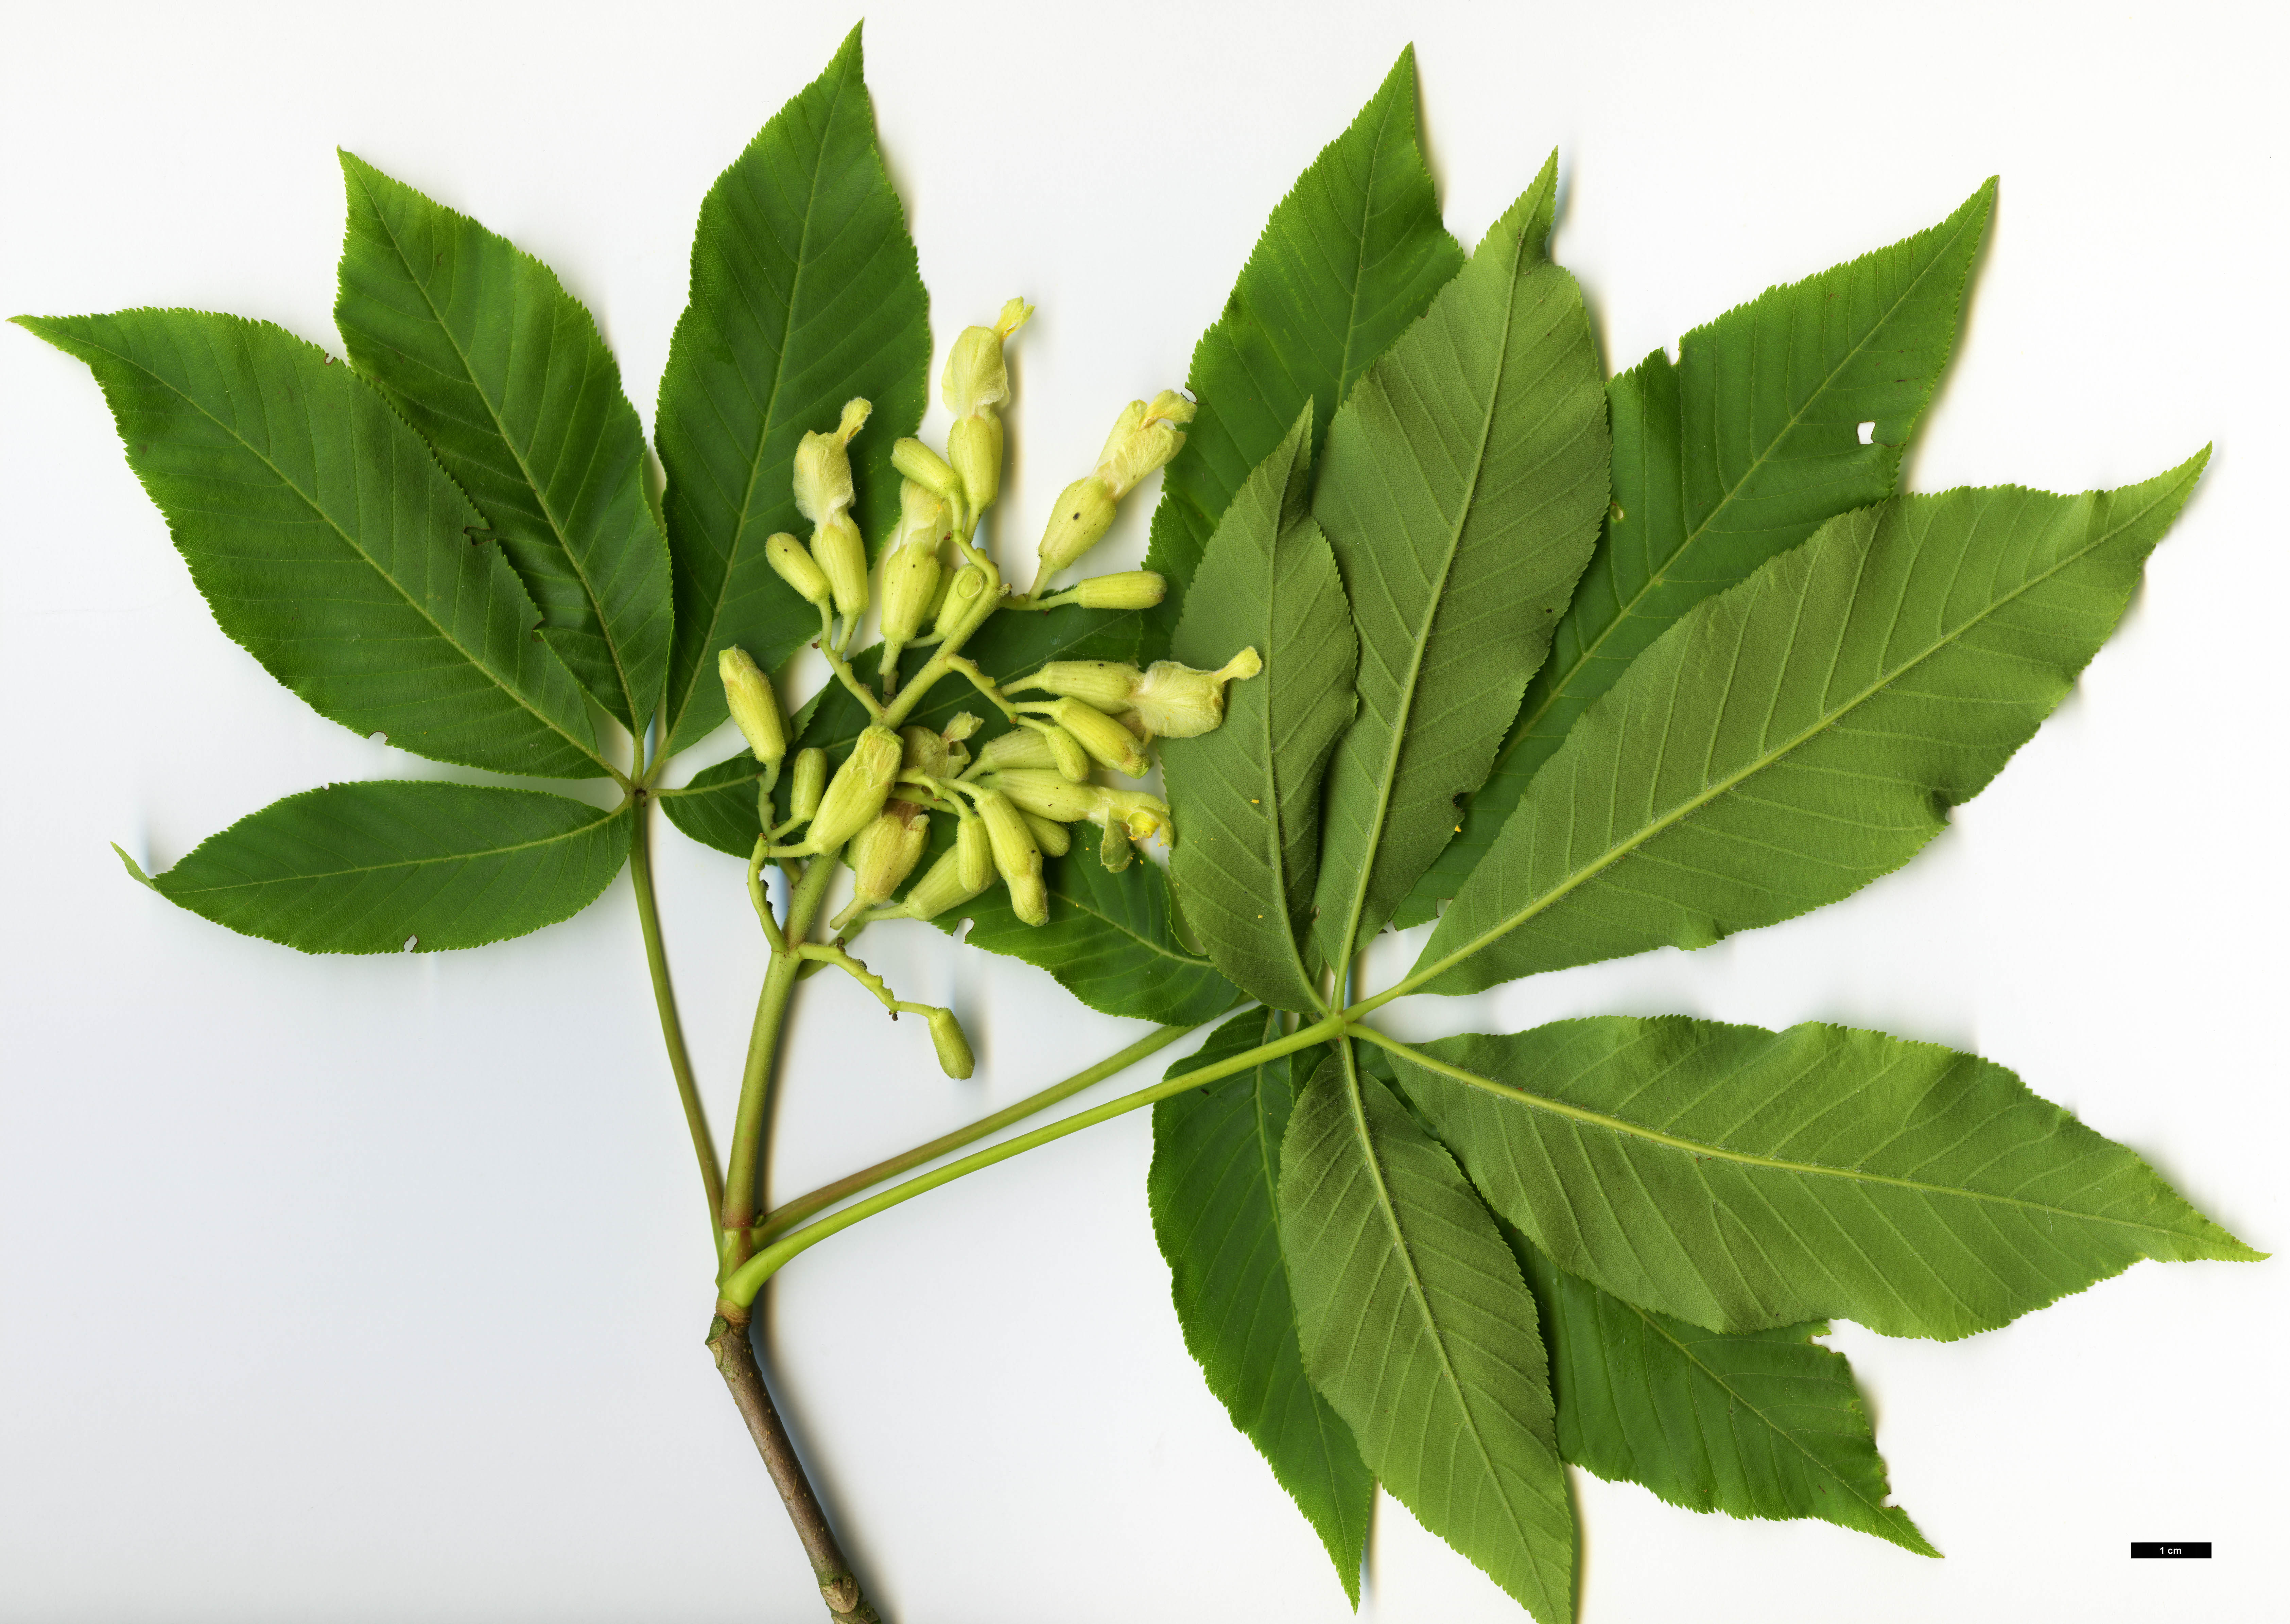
(377, 738)
(1868, 432)
(410, 941)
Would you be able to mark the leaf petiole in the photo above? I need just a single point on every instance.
(744, 1281)
(671, 1025)
(782, 1218)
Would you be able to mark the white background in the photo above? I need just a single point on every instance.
(373, 1288)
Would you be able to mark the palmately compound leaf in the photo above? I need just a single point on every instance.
(1417, 1327)
(1214, 1190)
(328, 542)
(1110, 939)
(1768, 1424)
(805, 293)
(1734, 454)
(1462, 488)
(1246, 795)
(379, 867)
(1350, 256)
(1789, 741)
(504, 373)
(1741, 1179)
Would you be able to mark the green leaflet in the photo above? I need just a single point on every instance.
(504, 373)
(328, 542)
(718, 807)
(1418, 1331)
(1247, 795)
(363, 868)
(805, 293)
(1741, 1179)
(1788, 741)
(1736, 453)
(1213, 1186)
(1111, 939)
(1348, 259)
(1766, 1425)
(1461, 489)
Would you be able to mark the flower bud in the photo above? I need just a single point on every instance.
(953, 1048)
(922, 466)
(1174, 702)
(1051, 837)
(1066, 753)
(1020, 747)
(1130, 590)
(1105, 683)
(1143, 439)
(1051, 795)
(792, 563)
(923, 516)
(964, 594)
(974, 854)
(976, 377)
(1107, 742)
(843, 555)
(886, 852)
(823, 467)
(755, 704)
(974, 446)
(1016, 855)
(810, 784)
(1083, 514)
(860, 787)
(943, 887)
(1114, 850)
(909, 582)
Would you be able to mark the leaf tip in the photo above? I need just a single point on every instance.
(134, 869)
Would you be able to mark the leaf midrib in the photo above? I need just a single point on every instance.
(1356, 1110)
(351, 542)
(556, 526)
(1685, 809)
(1390, 774)
(771, 412)
(1276, 822)
(1660, 576)
(1706, 1150)
(1360, 260)
(602, 818)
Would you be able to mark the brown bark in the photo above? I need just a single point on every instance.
(838, 1586)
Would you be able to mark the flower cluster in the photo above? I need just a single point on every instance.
(1014, 800)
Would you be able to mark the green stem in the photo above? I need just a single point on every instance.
(747, 1278)
(782, 1218)
(829, 954)
(942, 662)
(671, 1025)
(750, 1130)
(762, 903)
